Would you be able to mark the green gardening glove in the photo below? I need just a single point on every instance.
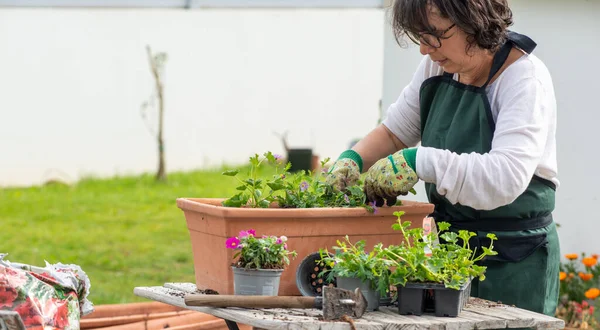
(345, 172)
(391, 176)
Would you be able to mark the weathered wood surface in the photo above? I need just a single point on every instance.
(10, 320)
(478, 314)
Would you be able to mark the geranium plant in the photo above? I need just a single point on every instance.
(352, 260)
(579, 290)
(266, 252)
(302, 189)
(450, 262)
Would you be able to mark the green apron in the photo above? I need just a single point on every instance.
(458, 117)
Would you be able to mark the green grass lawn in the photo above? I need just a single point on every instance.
(123, 232)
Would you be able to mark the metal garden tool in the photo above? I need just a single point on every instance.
(334, 302)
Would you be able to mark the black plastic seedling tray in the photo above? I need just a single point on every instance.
(419, 298)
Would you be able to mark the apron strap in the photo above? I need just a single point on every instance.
(499, 60)
(522, 41)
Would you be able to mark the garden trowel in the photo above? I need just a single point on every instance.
(335, 302)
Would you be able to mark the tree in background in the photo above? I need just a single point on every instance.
(157, 66)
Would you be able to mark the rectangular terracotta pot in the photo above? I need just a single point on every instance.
(308, 230)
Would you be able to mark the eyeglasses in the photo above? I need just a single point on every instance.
(434, 40)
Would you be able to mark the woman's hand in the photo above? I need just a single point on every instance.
(391, 176)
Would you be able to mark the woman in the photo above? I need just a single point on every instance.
(484, 110)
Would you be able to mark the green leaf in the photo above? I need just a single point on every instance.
(275, 186)
(231, 172)
(241, 188)
(443, 226)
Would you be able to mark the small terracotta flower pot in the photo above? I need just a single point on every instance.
(307, 230)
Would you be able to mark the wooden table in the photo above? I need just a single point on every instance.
(478, 314)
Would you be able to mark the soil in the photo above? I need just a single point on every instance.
(181, 294)
(478, 302)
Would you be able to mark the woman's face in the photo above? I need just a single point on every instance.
(452, 54)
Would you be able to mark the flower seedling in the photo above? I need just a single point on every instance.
(255, 191)
(302, 189)
(352, 260)
(451, 262)
(266, 252)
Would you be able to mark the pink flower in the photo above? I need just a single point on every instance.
(278, 241)
(232, 243)
(246, 233)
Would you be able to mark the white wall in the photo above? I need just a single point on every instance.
(72, 81)
(568, 37)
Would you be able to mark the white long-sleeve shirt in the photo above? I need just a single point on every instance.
(524, 143)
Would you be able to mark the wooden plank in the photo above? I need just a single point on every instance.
(515, 317)
(477, 314)
(260, 318)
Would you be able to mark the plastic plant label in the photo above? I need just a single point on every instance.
(429, 227)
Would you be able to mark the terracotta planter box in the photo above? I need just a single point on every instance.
(210, 224)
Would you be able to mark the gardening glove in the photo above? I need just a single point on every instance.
(346, 170)
(391, 176)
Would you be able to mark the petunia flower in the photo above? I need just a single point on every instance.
(303, 186)
(232, 243)
(246, 233)
(374, 206)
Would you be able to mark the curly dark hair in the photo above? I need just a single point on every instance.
(484, 21)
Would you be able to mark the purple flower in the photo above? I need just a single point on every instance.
(252, 232)
(278, 158)
(303, 186)
(278, 241)
(374, 207)
(346, 198)
(232, 243)
(285, 246)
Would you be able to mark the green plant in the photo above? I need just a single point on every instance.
(302, 189)
(352, 260)
(256, 191)
(452, 262)
(266, 252)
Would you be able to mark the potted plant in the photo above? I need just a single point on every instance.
(442, 272)
(351, 267)
(298, 205)
(260, 262)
